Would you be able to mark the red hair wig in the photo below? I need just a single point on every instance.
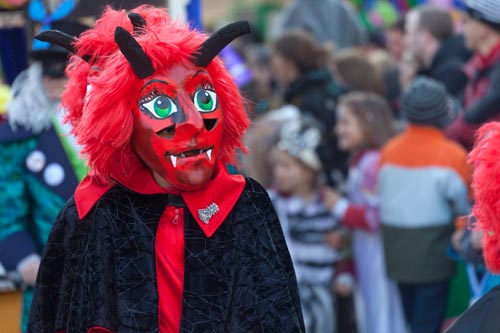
(486, 185)
(102, 116)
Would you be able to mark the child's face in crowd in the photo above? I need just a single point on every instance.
(349, 130)
(289, 175)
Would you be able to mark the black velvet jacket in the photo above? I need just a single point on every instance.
(481, 317)
(100, 271)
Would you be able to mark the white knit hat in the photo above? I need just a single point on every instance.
(486, 11)
(300, 138)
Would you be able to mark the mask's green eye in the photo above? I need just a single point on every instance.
(161, 107)
(205, 100)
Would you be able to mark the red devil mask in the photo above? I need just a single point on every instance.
(178, 126)
(178, 122)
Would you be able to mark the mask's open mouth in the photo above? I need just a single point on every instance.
(190, 153)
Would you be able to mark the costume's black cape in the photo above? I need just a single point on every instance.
(100, 271)
(482, 317)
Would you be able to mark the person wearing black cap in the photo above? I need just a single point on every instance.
(39, 166)
(482, 96)
(423, 184)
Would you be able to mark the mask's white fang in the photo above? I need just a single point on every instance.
(174, 160)
(209, 154)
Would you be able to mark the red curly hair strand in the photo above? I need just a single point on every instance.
(486, 185)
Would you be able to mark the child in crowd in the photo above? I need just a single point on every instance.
(306, 221)
(364, 125)
(423, 184)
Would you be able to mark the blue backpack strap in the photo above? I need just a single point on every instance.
(481, 286)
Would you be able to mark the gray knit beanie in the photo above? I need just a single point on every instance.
(425, 102)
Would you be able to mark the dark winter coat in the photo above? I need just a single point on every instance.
(447, 66)
(482, 317)
(100, 271)
(316, 94)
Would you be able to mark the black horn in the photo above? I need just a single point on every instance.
(133, 52)
(137, 21)
(58, 38)
(61, 39)
(220, 39)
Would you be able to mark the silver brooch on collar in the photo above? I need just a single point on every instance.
(206, 214)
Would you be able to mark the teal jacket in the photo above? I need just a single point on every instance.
(36, 179)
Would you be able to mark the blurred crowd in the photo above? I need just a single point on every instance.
(360, 136)
(362, 139)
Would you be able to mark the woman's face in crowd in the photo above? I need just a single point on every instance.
(349, 130)
(283, 70)
(289, 175)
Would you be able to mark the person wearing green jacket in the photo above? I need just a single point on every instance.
(39, 165)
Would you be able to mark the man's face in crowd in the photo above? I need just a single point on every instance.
(474, 32)
(395, 41)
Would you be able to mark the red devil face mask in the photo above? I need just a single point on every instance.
(178, 126)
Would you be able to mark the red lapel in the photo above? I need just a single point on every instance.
(87, 193)
(212, 203)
